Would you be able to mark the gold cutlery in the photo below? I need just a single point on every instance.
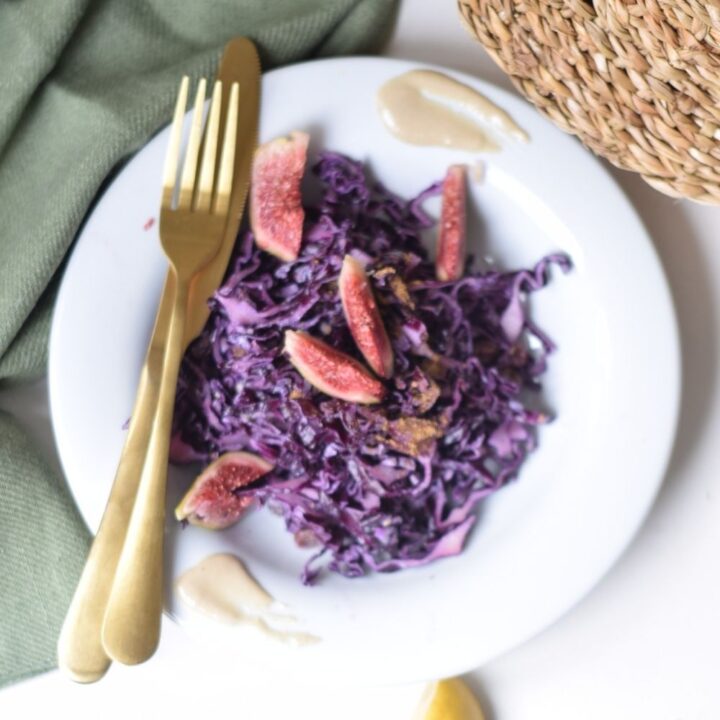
(191, 233)
(80, 651)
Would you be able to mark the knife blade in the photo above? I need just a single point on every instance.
(80, 652)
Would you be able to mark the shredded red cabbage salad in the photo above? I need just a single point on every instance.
(374, 487)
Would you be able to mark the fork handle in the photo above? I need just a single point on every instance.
(80, 652)
(131, 628)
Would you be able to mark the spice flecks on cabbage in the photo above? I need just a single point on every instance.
(381, 487)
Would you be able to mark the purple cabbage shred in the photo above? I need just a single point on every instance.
(379, 487)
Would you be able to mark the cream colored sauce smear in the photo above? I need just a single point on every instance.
(221, 588)
(477, 172)
(425, 107)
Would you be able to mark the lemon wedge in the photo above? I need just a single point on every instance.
(448, 700)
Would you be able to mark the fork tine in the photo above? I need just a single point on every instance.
(227, 158)
(187, 179)
(207, 167)
(173, 150)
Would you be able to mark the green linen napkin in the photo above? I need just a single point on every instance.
(82, 85)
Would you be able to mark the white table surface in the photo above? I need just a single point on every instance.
(646, 642)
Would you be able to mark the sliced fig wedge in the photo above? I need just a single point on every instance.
(331, 371)
(450, 261)
(363, 317)
(276, 212)
(210, 501)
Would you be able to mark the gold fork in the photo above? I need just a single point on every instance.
(191, 233)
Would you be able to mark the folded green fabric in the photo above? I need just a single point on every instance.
(84, 84)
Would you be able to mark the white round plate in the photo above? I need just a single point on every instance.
(542, 542)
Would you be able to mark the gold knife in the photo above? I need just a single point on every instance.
(80, 652)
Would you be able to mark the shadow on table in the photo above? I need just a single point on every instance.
(689, 275)
(475, 684)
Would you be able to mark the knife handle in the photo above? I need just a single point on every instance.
(80, 651)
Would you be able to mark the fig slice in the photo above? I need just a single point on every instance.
(450, 261)
(210, 501)
(276, 212)
(363, 317)
(331, 371)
